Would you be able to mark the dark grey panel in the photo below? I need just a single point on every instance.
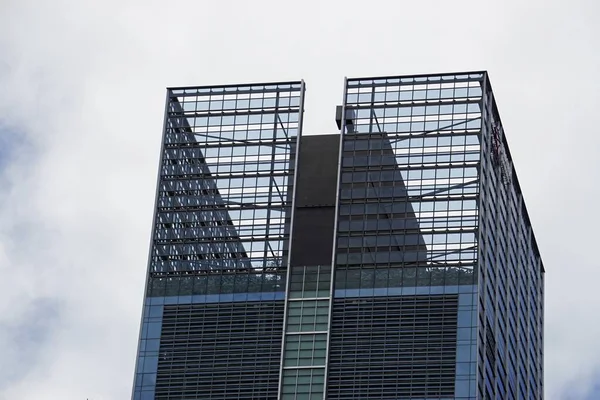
(312, 240)
(220, 351)
(393, 348)
(313, 226)
(317, 170)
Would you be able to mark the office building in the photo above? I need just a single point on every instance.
(394, 259)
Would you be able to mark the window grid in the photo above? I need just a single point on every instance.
(303, 384)
(512, 362)
(408, 217)
(307, 325)
(225, 189)
(308, 315)
(221, 234)
(409, 189)
(310, 281)
(220, 351)
(393, 347)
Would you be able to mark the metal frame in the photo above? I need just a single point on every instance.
(195, 94)
(509, 256)
(528, 264)
(335, 231)
(289, 269)
(370, 90)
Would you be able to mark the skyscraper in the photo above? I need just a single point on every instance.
(394, 260)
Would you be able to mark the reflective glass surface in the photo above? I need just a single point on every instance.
(213, 318)
(225, 190)
(437, 280)
(511, 276)
(409, 182)
(405, 314)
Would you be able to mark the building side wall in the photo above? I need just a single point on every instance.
(511, 276)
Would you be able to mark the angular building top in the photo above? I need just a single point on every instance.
(394, 260)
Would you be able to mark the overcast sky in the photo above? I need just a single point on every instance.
(82, 89)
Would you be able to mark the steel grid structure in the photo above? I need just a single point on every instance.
(426, 181)
(511, 278)
(407, 235)
(221, 234)
(393, 261)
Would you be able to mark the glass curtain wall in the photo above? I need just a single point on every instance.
(220, 236)
(511, 275)
(407, 242)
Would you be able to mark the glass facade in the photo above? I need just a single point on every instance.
(407, 239)
(409, 183)
(511, 281)
(394, 261)
(213, 313)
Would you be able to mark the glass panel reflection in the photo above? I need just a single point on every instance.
(225, 190)
(410, 182)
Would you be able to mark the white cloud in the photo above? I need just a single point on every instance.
(82, 85)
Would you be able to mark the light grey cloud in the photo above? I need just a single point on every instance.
(82, 87)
